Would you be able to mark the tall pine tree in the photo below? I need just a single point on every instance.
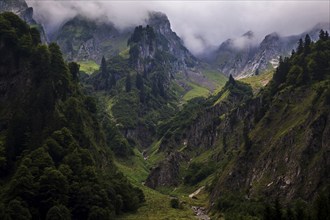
(103, 68)
(128, 85)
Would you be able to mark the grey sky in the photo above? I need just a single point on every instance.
(201, 24)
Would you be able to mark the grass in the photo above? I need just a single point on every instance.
(196, 91)
(88, 66)
(259, 81)
(218, 79)
(157, 205)
(124, 53)
(222, 97)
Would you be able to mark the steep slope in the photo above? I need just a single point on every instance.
(55, 158)
(193, 131)
(169, 41)
(139, 90)
(288, 131)
(145, 89)
(250, 151)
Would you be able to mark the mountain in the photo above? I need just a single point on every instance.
(83, 39)
(20, 8)
(147, 87)
(242, 57)
(232, 55)
(248, 151)
(97, 146)
(169, 41)
(55, 154)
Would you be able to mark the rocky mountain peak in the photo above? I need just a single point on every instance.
(272, 37)
(248, 35)
(16, 6)
(82, 38)
(159, 21)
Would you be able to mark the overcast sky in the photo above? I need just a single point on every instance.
(201, 24)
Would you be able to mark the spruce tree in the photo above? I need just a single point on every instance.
(112, 80)
(128, 83)
(322, 35)
(300, 48)
(307, 44)
(231, 80)
(139, 81)
(326, 35)
(103, 68)
(74, 70)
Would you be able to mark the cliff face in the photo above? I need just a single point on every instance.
(167, 172)
(170, 42)
(195, 130)
(285, 154)
(157, 45)
(275, 145)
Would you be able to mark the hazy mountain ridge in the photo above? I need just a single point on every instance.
(252, 58)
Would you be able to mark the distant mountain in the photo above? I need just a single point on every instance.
(242, 57)
(233, 54)
(169, 40)
(83, 39)
(20, 8)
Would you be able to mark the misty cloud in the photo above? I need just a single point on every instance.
(201, 24)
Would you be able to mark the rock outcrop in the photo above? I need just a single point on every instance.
(167, 172)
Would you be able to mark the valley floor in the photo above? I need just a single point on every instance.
(158, 203)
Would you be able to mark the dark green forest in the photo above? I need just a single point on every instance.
(55, 159)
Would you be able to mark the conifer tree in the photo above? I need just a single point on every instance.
(112, 80)
(231, 80)
(139, 81)
(74, 70)
(103, 68)
(307, 44)
(322, 35)
(128, 83)
(300, 48)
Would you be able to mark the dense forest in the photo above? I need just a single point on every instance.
(56, 162)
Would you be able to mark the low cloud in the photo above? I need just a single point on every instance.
(201, 24)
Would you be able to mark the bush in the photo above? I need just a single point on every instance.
(175, 204)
